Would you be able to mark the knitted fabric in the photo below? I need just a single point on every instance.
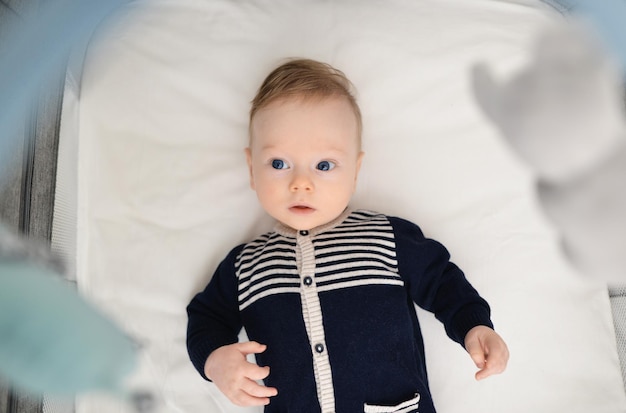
(334, 305)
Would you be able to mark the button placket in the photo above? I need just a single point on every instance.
(307, 272)
(312, 314)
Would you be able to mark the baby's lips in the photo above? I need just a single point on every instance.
(301, 207)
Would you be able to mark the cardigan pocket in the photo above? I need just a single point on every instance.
(404, 407)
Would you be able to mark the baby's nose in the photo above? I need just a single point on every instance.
(301, 182)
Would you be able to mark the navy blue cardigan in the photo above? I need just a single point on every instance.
(334, 306)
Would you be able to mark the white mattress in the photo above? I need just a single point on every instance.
(163, 188)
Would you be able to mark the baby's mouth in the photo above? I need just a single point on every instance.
(301, 209)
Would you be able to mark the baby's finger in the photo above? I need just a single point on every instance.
(241, 398)
(498, 361)
(255, 389)
(483, 373)
(477, 354)
(495, 364)
(256, 372)
(251, 347)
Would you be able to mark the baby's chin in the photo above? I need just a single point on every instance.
(302, 218)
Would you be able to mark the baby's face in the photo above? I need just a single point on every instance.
(304, 159)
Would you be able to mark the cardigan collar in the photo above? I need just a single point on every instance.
(287, 231)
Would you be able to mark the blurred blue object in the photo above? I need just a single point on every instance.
(608, 19)
(52, 341)
(34, 47)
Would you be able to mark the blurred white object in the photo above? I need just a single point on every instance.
(564, 115)
(591, 214)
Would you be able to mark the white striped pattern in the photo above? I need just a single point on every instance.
(359, 251)
(265, 267)
(406, 407)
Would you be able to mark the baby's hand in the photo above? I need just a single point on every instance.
(228, 368)
(488, 350)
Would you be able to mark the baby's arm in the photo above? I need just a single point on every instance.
(212, 334)
(439, 286)
(236, 377)
(488, 350)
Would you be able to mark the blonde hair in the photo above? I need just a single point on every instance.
(305, 78)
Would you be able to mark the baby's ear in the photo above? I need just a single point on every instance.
(485, 91)
(249, 161)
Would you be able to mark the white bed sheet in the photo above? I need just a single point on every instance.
(163, 187)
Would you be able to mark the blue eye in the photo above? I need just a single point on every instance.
(278, 164)
(325, 165)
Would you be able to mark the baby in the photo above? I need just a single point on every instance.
(326, 298)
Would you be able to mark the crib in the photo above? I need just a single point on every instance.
(134, 171)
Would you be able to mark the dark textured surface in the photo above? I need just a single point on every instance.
(4, 397)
